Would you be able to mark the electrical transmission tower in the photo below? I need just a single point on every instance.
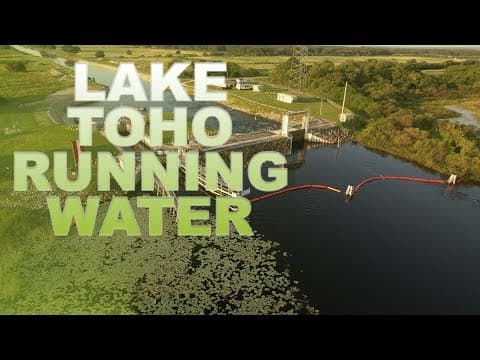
(298, 69)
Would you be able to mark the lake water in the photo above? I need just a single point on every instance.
(398, 247)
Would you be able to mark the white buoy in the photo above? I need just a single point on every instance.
(349, 192)
(452, 180)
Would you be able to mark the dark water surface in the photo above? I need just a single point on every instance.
(398, 247)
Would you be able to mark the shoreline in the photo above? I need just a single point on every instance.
(113, 68)
(465, 180)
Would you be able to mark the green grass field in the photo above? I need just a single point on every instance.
(24, 107)
(25, 225)
(311, 104)
(434, 72)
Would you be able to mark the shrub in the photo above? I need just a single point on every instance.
(100, 54)
(71, 49)
(16, 66)
(129, 52)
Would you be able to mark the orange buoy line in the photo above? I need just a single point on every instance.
(402, 178)
(294, 188)
(357, 188)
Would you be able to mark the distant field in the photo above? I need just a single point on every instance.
(434, 71)
(36, 82)
(142, 56)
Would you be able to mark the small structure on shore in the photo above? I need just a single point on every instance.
(286, 98)
(243, 84)
(258, 88)
(12, 130)
(344, 116)
(230, 84)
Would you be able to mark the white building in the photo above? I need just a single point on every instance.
(243, 84)
(230, 84)
(286, 98)
(257, 88)
(345, 116)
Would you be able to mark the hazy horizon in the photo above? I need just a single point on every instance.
(476, 47)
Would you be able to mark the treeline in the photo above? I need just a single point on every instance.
(388, 99)
(444, 146)
(285, 50)
(379, 51)
(378, 88)
(434, 52)
(440, 65)
(233, 70)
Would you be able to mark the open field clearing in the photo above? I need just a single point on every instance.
(143, 56)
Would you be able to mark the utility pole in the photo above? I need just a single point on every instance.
(343, 116)
(344, 96)
(298, 69)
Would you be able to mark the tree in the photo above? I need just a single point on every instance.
(100, 54)
(129, 52)
(178, 52)
(233, 70)
(71, 49)
(16, 66)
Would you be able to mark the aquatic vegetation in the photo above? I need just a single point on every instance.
(156, 275)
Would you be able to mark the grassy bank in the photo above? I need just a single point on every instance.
(26, 126)
(265, 104)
